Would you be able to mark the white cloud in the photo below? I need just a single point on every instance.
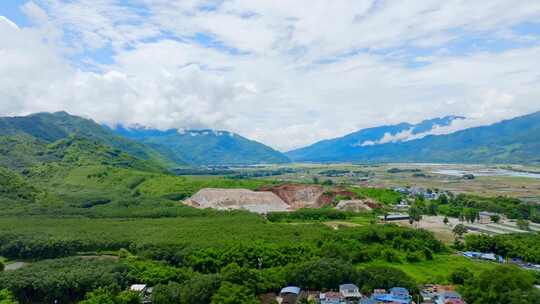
(8, 22)
(253, 67)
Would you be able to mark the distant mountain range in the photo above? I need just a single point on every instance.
(205, 147)
(511, 141)
(50, 137)
(61, 137)
(343, 148)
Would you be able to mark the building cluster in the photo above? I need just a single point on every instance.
(350, 293)
(439, 294)
(418, 192)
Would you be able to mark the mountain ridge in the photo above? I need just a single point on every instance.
(25, 137)
(339, 145)
(205, 146)
(513, 140)
(46, 128)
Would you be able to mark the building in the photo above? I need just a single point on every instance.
(430, 292)
(394, 217)
(331, 298)
(289, 295)
(397, 295)
(472, 254)
(350, 291)
(484, 256)
(449, 297)
(402, 190)
(488, 257)
(144, 292)
(402, 206)
(484, 217)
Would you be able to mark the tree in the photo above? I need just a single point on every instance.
(230, 293)
(6, 297)
(460, 230)
(443, 199)
(415, 214)
(471, 215)
(413, 257)
(328, 182)
(2, 266)
(428, 254)
(123, 253)
(166, 294)
(523, 224)
(503, 284)
(432, 208)
(445, 220)
(390, 255)
(128, 297)
(100, 296)
(373, 277)
(495, 218)
(245, 276)
(320, 274)
(200, 289)
(103, 296)
(460, 276)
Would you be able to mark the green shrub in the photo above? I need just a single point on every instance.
(460, 276)
(413, 257)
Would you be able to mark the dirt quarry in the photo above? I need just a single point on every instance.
(230, 199)
(285, 197)
(298, 196)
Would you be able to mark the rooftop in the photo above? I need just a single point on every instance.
(291, 289)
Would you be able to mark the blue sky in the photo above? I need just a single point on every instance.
(11, 10)
(285, 73)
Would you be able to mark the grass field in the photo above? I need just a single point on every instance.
(438, 269)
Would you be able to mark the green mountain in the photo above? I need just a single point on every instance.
(14, 188)
(343, 148)
(511, 141)
(58, 164)
(205, 147)
(25, 140)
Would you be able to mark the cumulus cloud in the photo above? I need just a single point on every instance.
(284, 73)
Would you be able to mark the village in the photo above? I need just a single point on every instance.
(347, 293)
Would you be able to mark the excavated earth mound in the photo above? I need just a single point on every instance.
(299, 196)
(229, 199)
(354, 206)
(328, 197)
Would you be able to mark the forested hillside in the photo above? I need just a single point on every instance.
(25, 139)
(206, 147)
(512, 141)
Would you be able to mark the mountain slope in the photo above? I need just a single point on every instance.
(511, 141)
(342, 148)
(205, 147)
(14, 188)
(25, 138)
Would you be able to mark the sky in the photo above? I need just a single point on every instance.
(285, 73)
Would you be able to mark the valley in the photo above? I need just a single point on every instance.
(269, 152)
(519, 181)
(87, 213)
